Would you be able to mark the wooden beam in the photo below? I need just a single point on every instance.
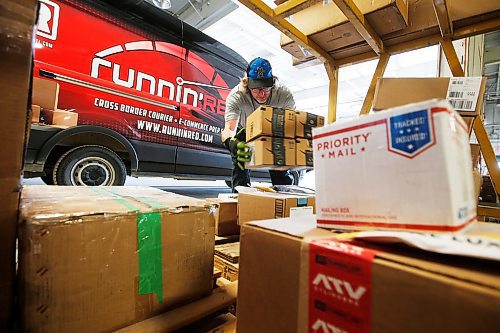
(267, 13)
(489, 211)
(379, 72)
(333, 75)
(291, 7)
(451, 56)
(479, 130)
(443, 17)
(351, 11)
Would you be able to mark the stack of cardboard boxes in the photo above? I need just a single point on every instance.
(44, 105)
(281, 138)
(405, 170)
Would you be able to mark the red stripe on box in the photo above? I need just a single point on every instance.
(340, 287)
(398, 225)
(352, 128)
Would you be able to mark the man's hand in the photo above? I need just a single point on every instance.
(239, 150)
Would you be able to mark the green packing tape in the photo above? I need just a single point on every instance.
(150, 254)
(149, 247)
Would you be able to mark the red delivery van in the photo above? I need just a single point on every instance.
(131, 90)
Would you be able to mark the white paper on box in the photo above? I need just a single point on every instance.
(405, 168)
(463, 92)
(301, 211)
(459, 245)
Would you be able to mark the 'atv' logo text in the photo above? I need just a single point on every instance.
(340, 287)
(324, 327)
(48, 19)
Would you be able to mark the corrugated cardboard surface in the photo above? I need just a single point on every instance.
(79, 256)
(226, 217)
(270, 121)
(392, 92)
(264, 152)
(304, 152)
(412, 291)
(16, 35)
(305, 122)
(265, 205)
(45, 93)
(35, 114)
(59, 117)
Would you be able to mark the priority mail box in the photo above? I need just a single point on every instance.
(270, 121)
(45, 93)
(267, 205)
(272, 152)
(304, 151)
(98, 259)
(294, 278)
(305, 122)
(59, 117)
(406, 168)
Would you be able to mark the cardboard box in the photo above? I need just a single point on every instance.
(59, 118)
(45, 93)
(98, 259)
(267, 205)
(226, 216)
(385, 16)
(305, 122)
(304, 152)
(294, 277)
(393, 92)
(35, 114)
(274, 153)
(372, 171)
(17, 19)
(270, 121)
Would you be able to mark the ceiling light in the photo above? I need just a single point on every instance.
(163, 4)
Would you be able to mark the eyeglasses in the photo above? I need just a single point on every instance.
(261, 90)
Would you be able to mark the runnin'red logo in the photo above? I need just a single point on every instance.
(48, 19)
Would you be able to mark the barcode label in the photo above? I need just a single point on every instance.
(461, 104)
(463, 92)
(457, 94)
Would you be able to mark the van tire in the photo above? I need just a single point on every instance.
(48, 179)
(90, 166)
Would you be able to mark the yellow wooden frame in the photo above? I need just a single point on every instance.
(447, 34)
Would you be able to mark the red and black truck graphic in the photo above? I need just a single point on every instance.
(149, 91)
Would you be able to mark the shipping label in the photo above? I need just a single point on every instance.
(463, 92)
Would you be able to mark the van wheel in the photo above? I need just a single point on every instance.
(48, 179)
(90, 166)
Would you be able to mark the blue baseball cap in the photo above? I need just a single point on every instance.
(260, 74)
